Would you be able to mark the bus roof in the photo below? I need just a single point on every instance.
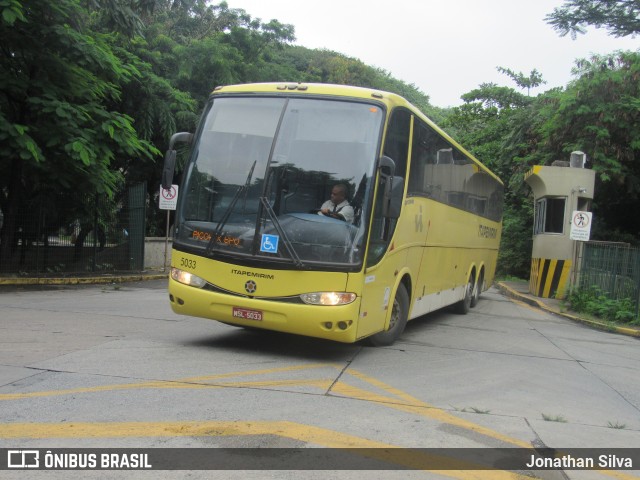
(388, 98)
(309, 88)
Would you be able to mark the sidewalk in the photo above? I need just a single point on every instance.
(85, 280)
(520, 291)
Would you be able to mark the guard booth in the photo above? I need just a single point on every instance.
(558, 190)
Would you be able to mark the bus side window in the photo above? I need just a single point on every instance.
(430, 157)
(396, 147)
(441, 172)
(419, 161)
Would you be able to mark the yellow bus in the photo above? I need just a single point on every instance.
(251, 247)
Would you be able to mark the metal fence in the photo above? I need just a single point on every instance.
(56, 235)
(613, 268)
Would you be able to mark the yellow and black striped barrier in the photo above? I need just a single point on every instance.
(549, 277)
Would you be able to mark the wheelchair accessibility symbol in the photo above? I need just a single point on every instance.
(269, 243)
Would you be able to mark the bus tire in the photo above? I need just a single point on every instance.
(462, 307)
(477, 289)
(397, 322)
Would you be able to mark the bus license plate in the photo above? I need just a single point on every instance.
(247, 314)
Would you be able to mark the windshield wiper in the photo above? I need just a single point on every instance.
(227, 213)
(287, 243)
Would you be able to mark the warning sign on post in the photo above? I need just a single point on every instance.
(168, 197)
(580, 226)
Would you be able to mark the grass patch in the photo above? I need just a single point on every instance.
(471, 410)
(554, 418)
(479, 410)
(616, 425)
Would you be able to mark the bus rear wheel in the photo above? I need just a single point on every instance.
(463, 306)
(397, 322)
(477, 290)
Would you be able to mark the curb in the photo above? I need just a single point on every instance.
(510, 292)
(81, 280)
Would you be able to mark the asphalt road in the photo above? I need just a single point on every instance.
(113, 366)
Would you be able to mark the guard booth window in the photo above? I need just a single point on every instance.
(549, 215)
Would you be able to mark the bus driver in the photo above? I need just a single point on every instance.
(338, 206)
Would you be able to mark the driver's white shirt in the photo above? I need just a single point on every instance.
(343, 209)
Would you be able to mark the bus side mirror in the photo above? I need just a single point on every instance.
(395, 198)
(393, 188)
(167, 170)
(170, 158)
(387, 166)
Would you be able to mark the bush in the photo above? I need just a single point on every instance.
(595, 301)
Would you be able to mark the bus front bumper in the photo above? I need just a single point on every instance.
(338, 323)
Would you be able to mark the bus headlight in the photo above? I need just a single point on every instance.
(328, 298)
(187, 278)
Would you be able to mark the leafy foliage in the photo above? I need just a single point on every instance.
(57, 130)
(533, 80)
(620, 17)
(325, 66)
(599, 113)
(596, 302)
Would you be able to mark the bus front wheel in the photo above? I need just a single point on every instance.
(397, 322)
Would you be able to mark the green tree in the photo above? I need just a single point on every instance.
(620, 17)
(533, 80)
(326, 66)
(196, 46)
(58, 80)
(599, 113)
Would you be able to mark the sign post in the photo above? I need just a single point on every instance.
(168, 202)
(581, 231)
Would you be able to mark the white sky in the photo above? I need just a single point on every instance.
(445, 48)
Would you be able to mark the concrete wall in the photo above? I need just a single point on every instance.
(154, 248)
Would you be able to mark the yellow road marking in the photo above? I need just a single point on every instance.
(410, 404)
(263, 371)
(306, 433)
(190, 383)
(320, 383)
(299, 432)
(414, 405)
(420, 408)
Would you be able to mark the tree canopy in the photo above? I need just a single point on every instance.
(620, 17)
(91, 91)
(59, 129)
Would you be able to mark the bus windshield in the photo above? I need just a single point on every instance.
(262, 167)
